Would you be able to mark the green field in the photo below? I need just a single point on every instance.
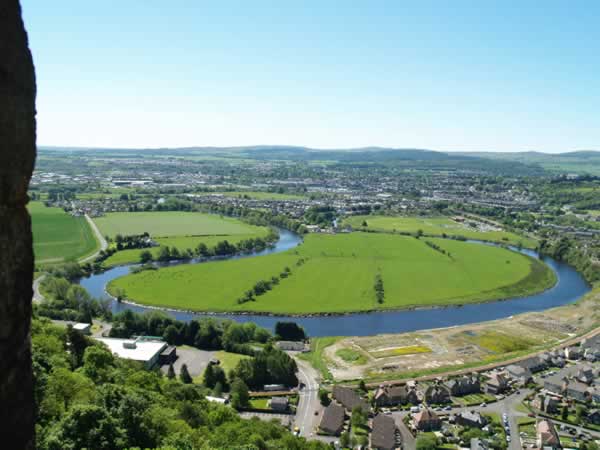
(58, 236)
(170, 223)
(338, 276)
(436, 226)
(175, 229)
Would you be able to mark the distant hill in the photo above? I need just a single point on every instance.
(580, 161)
(418, 159)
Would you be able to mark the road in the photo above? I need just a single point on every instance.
(103, 243)
(308, 403)
(37, 294)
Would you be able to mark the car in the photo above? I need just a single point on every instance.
(296, 428)
(448, 408)
(517, 392)
(531, 415)
(508, 438)
(483, 405)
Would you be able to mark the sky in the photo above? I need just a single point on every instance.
(445, 75)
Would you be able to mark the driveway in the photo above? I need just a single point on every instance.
(196, 360)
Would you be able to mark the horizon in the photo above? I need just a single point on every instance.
(322, 75)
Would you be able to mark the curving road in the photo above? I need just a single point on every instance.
(103, 243)
(37, 294)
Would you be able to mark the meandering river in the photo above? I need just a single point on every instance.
(570, 287)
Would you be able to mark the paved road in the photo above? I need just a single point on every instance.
(103, 243)
(308, 402)
(37, 295)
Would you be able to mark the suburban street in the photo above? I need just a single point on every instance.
(308, 403)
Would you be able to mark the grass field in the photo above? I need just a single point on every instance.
(58, 236)
(173, 228)
(229, 360)
(170, 223)
(351, 356)
(338, 276)
(436, 226)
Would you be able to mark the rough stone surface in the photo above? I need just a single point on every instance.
(17, 158)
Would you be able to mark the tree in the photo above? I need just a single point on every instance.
(359, 417)
(91, 427)
(364, 224)
(427, 442)
(324, 397)
(290, 331)
(171, 372)
(565, 412)
(345, 439)
(97, 363)
(362, 386)
(145, 256)
(239, 394)
(184, 375)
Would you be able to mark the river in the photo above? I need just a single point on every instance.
(570, 287)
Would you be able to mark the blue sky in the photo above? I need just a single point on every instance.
(446, 75)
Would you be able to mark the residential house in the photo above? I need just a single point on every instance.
(535, 364)
(496, 383)
(573, 353)
(547, 437)
(383, 433)
(279, 404)
(479, 444)
(332, 421)
(395, 395)
(577, 390)
(555, 384)
(546, 403)
(585, 375)
(426, 420)
(349, 398)
(471, 419)
(519, 373)
(464, 386)
(436, 394)
(593, 416)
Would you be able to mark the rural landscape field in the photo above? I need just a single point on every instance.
(59, 237)
(336, 274)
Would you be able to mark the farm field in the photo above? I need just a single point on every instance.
(58, 236)
(170, 223)
(336, 274)
(436, 226)
(182, 230)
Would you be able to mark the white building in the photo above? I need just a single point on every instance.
(144, 350)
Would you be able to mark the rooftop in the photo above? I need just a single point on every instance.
(137, 350)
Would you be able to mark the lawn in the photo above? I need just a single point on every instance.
(260, 403)
(436, 226)
(337, 275)
(475, 399)
(497, 342)
(58, 236)
(171, 223)
(229, 360)
(351, 356)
